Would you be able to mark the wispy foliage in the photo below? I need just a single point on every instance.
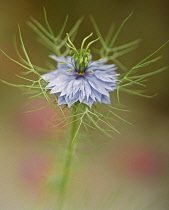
(55, 43)
(135, 75)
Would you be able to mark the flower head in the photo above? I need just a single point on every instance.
(78, 79)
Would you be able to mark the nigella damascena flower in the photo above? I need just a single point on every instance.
(71, 86)
(79, 79)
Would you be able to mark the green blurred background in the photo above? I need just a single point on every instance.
(27, 152)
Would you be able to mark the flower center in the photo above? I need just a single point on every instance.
(81, 59)
(82, 56)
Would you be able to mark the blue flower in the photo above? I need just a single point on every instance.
(93, 84)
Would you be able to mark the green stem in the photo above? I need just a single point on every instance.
(68, 161)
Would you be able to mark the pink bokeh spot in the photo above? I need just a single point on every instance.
(139, 162)
(38, 123)
(34, 169)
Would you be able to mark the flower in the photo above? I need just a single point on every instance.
(91, 84)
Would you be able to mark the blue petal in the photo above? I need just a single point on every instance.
(103, 77)
(61, 100)
(105, 99)
(97, 95)
(50, 76)
(87, 89)
(69, 88)
(88, 102)
(98, 85)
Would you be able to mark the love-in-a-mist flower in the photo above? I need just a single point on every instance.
(79, 79)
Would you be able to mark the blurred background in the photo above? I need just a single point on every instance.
(129, 171)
